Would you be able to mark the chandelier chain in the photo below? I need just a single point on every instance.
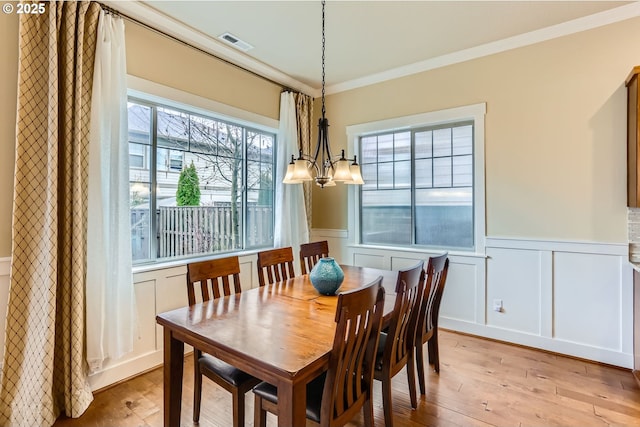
(323, 43)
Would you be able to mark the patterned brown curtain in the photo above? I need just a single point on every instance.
(304, 114)
(44, 370)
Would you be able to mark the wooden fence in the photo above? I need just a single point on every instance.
(194, 230)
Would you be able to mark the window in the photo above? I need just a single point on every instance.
(234, 164)
(423, 180)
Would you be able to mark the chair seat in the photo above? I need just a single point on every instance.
(314, 395)
(230, 374)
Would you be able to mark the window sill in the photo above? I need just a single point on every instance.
(431, 251)
(164, 264)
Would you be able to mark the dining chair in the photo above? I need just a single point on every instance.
(396, 346)
(275, 265)
(427, 333)
(310, 253)
(216, 278)
(338, 394)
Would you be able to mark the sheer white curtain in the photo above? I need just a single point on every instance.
(291, 219)
(110, 297)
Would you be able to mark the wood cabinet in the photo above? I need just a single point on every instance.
(633, 139)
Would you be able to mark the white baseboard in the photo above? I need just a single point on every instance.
(121, 371)
(535, 341)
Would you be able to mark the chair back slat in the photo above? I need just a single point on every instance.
(351, 361)
(216, 277)
(275, 265)
(310, 253)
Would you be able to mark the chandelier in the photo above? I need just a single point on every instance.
(327, 169)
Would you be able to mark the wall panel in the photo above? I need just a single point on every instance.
(514, 277)
(588, 299)
(463, 298)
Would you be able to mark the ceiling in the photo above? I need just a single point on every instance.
(368, 41)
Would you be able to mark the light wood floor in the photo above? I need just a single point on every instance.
(481, 383)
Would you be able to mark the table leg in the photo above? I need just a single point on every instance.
(173, 367)
(292, 404)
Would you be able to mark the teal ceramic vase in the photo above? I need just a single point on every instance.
(326, 276)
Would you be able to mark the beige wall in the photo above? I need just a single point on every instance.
(555, 124)
(8, 88)
(149, 56)
(555, 138)
(154, 57)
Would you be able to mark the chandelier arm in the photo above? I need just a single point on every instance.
(327, 147)
(319, 142)
(309, 159)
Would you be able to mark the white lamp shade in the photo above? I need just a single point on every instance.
(342, 172)
(356, 176)
(301, 171)
(288, 178)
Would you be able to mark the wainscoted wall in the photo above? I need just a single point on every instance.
(157, 291)
(573, 298)
(568, 297)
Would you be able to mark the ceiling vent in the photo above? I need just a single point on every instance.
(235, 42)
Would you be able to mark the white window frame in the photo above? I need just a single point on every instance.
(475, 112)
(160, 94)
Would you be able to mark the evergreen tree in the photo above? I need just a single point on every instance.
(188, 193)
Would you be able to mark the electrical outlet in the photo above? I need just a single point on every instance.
(497, 305)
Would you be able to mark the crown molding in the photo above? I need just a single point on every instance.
(566, 28)
(163, 23)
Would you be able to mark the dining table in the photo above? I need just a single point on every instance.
(281, 333)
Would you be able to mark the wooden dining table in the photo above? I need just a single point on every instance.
(280, 333)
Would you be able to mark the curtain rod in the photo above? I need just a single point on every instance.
(115, 12)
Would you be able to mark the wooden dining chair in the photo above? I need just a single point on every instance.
(310, 253)
(436, 277)
(337, 395)
(396, 346)
(275, 265)
(213, 279)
